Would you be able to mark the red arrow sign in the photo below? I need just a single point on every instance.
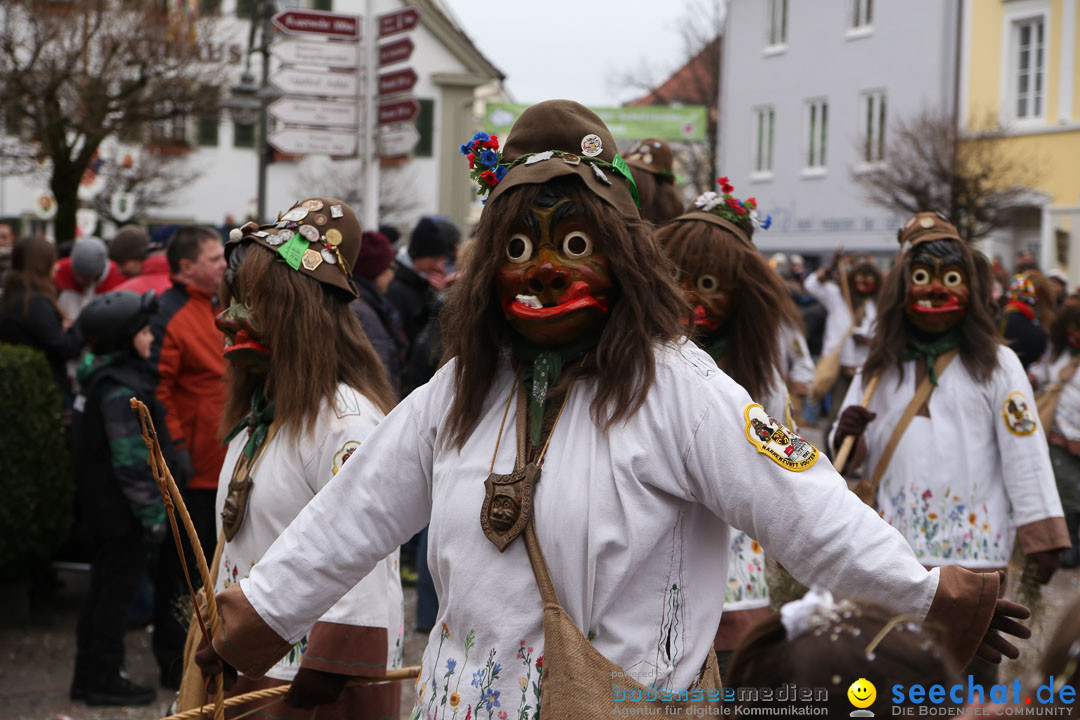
(399, 111)
(316, 22)
(394, 52)
(396, 82)
(398, 21)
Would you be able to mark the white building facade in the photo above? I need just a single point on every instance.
(808, 93)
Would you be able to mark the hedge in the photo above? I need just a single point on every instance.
(36, 486)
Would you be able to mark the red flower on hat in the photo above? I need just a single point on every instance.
(733, 203)
(722, 181)
(472, 158)
(493, 143)
(751, 202)
(489, 177)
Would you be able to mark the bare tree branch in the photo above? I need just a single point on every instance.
(344, 180)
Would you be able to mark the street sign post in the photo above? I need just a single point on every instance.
(321, 113)
(295, 51)
(297, 81)
(398, 81)
(301, 141)
(398, 21)
(317, 22)
(397, 140)
(395, 52)
(398, 111)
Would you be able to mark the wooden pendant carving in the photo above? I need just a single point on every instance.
(507, 504)
(232, 515)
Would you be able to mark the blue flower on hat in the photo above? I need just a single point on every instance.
(466, 149)
(488, 158)
(768, 221)
(481, 136)
(500, 172)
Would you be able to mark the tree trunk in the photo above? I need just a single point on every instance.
(65, 188)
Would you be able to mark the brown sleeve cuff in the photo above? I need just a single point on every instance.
(346, 649)
(734, 624)
(962, 609)
(1046, 534)
(242, 638)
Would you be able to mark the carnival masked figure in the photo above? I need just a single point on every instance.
(630, 455)
(305, 390)
(742, 316)
(652, 165)
(955, 459)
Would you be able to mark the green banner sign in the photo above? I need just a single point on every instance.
(674, 124)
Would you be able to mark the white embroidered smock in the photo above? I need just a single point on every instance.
(630, 520)
(962, 480)
(839, 320)
(290, 472)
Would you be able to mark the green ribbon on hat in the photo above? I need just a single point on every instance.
(619, 164)
(292, 252)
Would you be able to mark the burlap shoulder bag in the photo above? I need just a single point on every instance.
(579, 682)
(1047, 401)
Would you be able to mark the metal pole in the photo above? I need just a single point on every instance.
(370, 219)
(261, 144)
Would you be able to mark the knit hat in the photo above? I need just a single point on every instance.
(89, 256)
(376, 255)
(428, 240)
(1022, 290)
(129, 243)
(923, 227)
(549, 140)
(652, 155)
(319, 237)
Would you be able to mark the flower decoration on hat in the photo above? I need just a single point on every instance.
(742, 213)
(487, 169)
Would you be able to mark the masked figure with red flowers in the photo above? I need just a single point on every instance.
(305, 391)
(581, 465)
(953, 452)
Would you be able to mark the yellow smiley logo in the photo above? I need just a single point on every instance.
(862, 693)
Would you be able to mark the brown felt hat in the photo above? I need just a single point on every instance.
(923, 227)
(319, 237)
(576, 131)
(694, 215)
(652, 155)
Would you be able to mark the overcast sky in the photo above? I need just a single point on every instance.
(575, 49)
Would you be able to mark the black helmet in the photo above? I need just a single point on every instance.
(110, 321)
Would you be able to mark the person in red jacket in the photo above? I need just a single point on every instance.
(187, 353)
(86, 273)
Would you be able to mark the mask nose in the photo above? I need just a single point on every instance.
(548, 276)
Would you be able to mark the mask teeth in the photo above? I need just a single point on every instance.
(529, 301)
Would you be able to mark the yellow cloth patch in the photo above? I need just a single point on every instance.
(344, 454)
(1019, 417)
(772, 439)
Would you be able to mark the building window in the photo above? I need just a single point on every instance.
(207, 131)
(862, 13)
(245, 8)
(1029, 68)
(776, 21)
(764, 123)
(322, 5)
(817, 116)
(171, 131)
(873, 127)
(243, 135)
(425, 125)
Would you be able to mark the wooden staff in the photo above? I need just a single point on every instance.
(404, 673)
(170, 496)
(849, 441)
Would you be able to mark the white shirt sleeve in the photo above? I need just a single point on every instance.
(820, 531)
(379, 499)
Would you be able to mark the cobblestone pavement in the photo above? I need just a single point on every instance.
(36, 659)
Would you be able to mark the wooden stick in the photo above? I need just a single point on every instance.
(170, 495)
(278, 690)
(849, 441)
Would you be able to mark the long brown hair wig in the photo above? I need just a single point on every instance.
(32, 261)
(1068, 317)
(316, 343)
(646, 308)
(1044, 297)
(978, 337)
(760, 306)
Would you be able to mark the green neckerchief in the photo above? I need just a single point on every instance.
(715, 345)
(541, 370)
(257, 422)
(930, 350)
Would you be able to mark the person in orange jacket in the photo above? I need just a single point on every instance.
(187, 353)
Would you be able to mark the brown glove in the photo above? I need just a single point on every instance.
(994, 645)
(852, 421)
(1043, 565)
(212, 666)
(314, 687)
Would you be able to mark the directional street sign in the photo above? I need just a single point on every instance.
(299, 141)
(397, 140)
(322, 113)
(294, 51)
(297, 81)
(398, 21)
(394, 52)
(316, 22)
(398, 81)
(398, 111)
